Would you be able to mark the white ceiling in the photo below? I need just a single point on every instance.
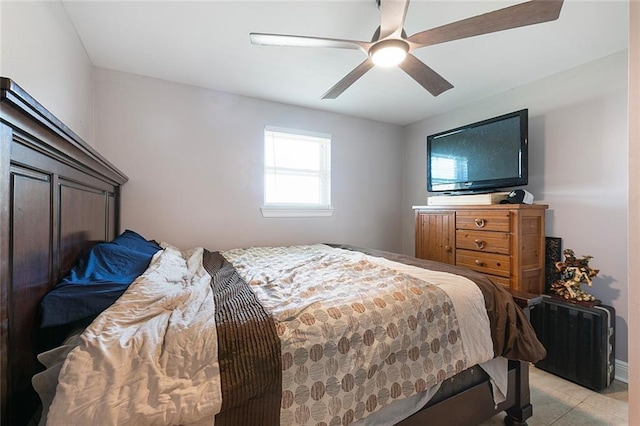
(206, 44)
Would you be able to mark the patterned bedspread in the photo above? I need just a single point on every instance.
(307, 335)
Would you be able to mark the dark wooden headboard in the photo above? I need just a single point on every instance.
(58, 197)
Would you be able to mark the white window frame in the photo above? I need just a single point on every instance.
(293, 209)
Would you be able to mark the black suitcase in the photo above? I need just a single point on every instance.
(580, 341)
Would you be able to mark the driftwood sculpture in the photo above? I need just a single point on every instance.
(573, 273)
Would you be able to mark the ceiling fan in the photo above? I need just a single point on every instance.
(390, 45)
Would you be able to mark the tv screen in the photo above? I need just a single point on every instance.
(485, 156)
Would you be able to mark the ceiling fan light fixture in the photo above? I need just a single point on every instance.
(388, 53)
(390, 45)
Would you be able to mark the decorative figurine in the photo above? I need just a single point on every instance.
(573, 273)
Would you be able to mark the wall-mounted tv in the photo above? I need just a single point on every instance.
(480, 157)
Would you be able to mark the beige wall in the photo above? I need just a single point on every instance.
(577, 165)
(634, 213)
(194, 158)
(41, 52)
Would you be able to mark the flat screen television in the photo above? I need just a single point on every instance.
(480, 157)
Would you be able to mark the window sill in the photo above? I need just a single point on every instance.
(268, 211)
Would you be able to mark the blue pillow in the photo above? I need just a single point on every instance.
(97, 280)
(136, 242)
(69, 304)
(108, 263)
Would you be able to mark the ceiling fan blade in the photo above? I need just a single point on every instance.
(348, 80)
(425, 76)
(392, 16)
(519, 15)
(306, 41)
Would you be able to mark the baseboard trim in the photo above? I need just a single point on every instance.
(622, 371)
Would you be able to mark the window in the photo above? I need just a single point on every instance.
(297, 173)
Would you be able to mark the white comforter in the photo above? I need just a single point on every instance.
(151, 358)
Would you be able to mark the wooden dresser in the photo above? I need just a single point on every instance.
(504, 241)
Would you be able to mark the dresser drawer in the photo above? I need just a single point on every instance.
(503, 281)
(487, 263)
(485, 241)
(483, 220)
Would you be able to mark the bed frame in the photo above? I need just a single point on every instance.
(58, 198)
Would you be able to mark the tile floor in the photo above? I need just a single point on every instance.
(559, 402)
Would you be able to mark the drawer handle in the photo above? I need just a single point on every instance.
(479, 244)
(479, 223)
(479, 262)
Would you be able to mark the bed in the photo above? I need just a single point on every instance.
(61, 198)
